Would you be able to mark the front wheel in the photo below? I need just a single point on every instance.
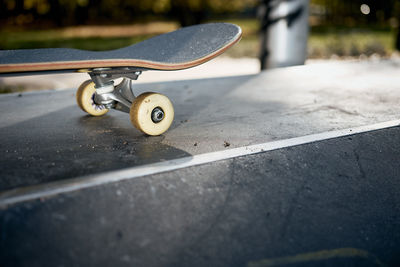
(152, 113)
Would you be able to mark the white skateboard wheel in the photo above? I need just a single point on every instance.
(85, 99)
(152, 113)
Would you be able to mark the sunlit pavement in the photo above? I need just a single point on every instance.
(219, 67)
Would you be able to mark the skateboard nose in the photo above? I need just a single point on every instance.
(157, 115)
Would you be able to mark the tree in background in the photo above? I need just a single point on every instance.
(77, 12)
(365, 13)
(354, 12)
(189, 12)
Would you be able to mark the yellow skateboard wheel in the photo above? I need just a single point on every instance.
(152, 113)
(85, 99)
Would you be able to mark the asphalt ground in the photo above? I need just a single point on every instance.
(289, 166)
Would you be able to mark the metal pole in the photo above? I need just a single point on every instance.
(284, 32)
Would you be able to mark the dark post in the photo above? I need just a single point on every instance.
(284, 32)
(397, 40)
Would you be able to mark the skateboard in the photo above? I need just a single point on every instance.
(150, 112)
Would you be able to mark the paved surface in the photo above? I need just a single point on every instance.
(329, 202)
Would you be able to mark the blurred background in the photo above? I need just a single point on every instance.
(338, 29)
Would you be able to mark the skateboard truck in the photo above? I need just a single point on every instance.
(119, 97)
(152, 113)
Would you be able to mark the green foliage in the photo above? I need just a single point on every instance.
(76, 12)
(325, 42)
(348, 13)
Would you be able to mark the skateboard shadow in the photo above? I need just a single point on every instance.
(66, 144)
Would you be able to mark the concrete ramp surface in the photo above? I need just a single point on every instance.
(294, 166)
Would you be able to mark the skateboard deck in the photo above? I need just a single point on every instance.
(180, 49)
(151, 113)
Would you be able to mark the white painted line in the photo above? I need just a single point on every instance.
(53, 188)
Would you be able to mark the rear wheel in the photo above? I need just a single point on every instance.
(85, 99)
